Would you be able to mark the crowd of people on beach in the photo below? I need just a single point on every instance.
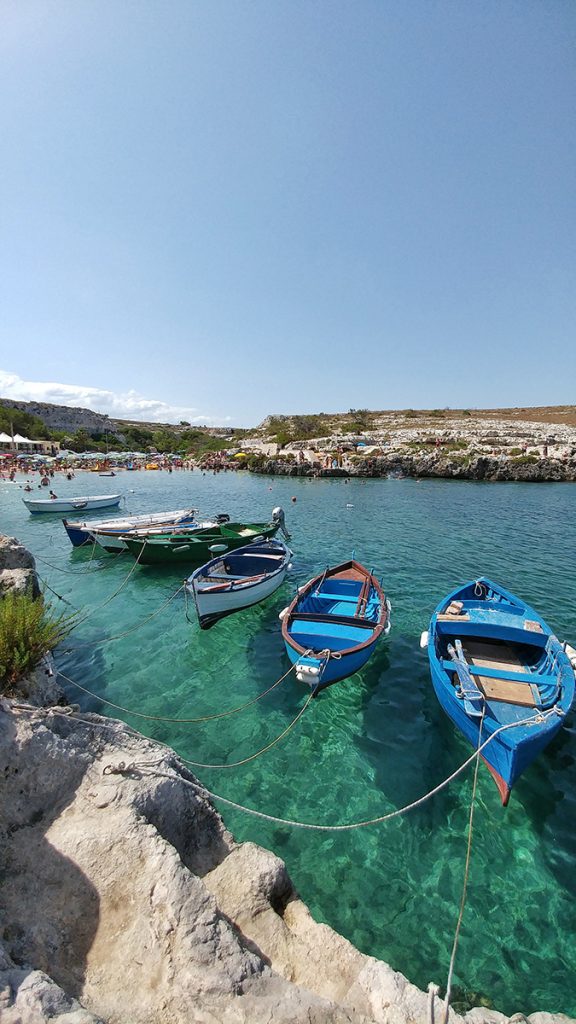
(40, 472)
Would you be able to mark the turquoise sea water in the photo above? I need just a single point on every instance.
(367, 745)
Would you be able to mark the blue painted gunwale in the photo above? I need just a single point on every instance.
(498, 615)
(246, 575)
(343, 610)
(80, 535)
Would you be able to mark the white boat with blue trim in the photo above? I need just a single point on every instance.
(39, 505)
(238, 579)
(82, 532)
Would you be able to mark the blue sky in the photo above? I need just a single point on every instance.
(218, 210)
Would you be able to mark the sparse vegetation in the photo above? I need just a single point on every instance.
(28, 629)
(14, 421)
(452, 446)
(360, 420)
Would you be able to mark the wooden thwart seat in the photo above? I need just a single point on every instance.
(505, 678)
(510, 692)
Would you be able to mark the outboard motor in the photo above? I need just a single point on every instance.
(222, 518)
(278, 517)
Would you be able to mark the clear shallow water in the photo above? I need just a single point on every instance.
(369, 744)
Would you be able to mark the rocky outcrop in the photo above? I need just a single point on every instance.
(17, 567)
(31, 996)
(448, 445)
(126, 890)
(430, 465)
(62, 417)
(124, 899)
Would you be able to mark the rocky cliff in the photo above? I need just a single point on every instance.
(430, 465)
(62, 417)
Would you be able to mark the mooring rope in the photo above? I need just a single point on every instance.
(119, 636)
(263, 750)
(123, 584)
(114, 594)
(137, 765)
(466, 872)
(84, 572)
(180, 721)
(199, 788)
(59, 596)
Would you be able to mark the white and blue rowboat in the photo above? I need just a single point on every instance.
(494, 662)
(333, 624)
(81, 532)
(37, 505)
(238, 579)
(115, 539)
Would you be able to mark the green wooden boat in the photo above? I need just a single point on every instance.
(196, 546)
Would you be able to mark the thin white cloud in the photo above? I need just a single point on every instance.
(127, 405)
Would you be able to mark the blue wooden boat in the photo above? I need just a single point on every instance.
(494, 662)
(333, 624)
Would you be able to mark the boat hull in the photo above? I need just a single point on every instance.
(81, 533)
(84, 504)
(215, 601)
(334, 623)
(522, 681)
(336, 669)
(508, 755)
(193, 549)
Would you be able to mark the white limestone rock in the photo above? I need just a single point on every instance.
(124, 899)
(17, 567)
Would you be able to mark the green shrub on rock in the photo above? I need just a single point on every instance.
(28, 629)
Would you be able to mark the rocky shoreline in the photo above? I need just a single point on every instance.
(125, 900)
(450, 447)
(432, 467)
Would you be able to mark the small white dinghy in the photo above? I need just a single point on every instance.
(36, 505)
(238, 579)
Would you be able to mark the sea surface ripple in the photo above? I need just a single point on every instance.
(368, 745)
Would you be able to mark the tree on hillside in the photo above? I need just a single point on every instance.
(13, 420)
(361, 419)
(137, 438)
